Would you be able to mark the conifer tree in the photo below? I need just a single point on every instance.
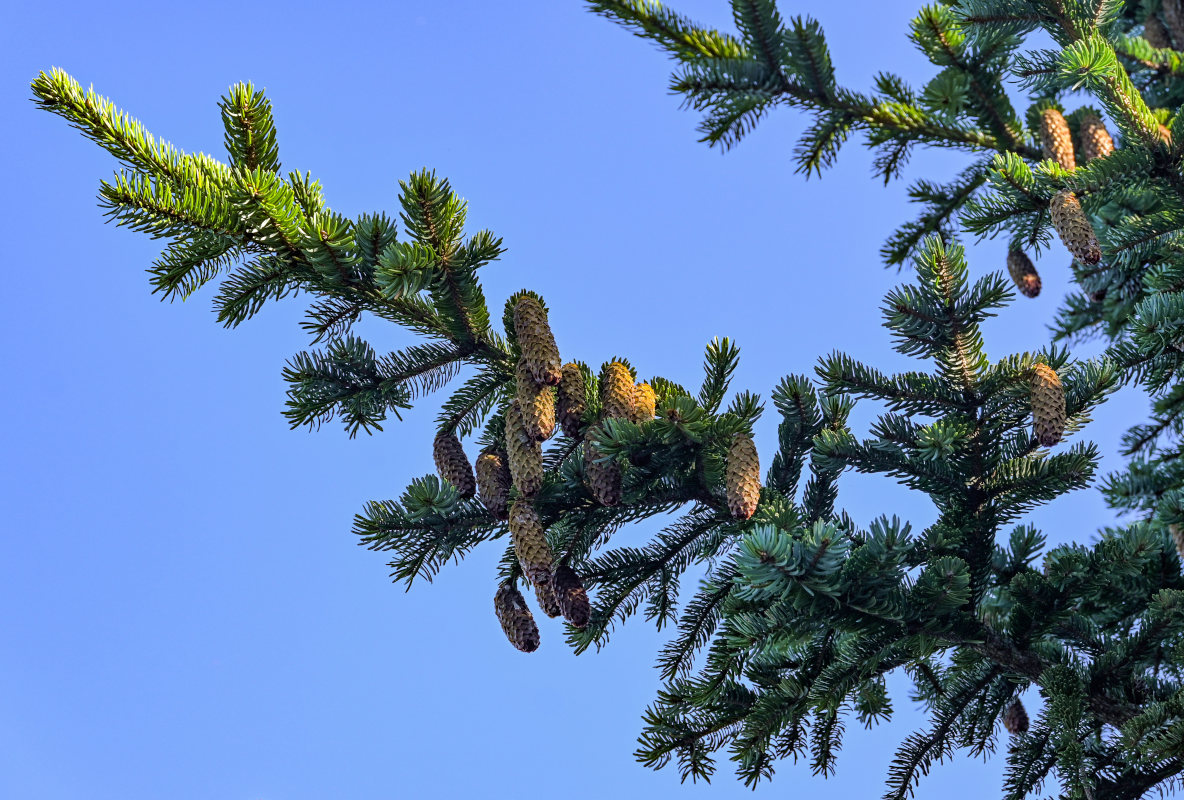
(804, 611)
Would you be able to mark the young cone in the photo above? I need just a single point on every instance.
(572, 400)
(644, 403)
(493, 483)
(1023, 272)
(516, 619)
(1015, 718)
(616, 391)
(1055, 138)
(603, 478)
(536, 341)
(524, 455)
(545, 594)
(1048, 405)
(536, 402)
(573, 599)
(743, 477)
(1095, 139)
(530, 542)
(1073, 227)
(452, 464)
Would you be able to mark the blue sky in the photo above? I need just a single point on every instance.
(186, 614)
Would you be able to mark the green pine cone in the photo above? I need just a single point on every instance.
(530, 542)
(1048, 405)
(1095, 139)
(572, 401)
(1073, 227)
(616, 391)
(524, 454)
(603, 478)
(493, 483)
(1055, 138)
(536, 402)
(536, 341)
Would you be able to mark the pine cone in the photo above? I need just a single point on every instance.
(1155, 33)
(616, 391)
(573, 600)
(1027, 280)
(1173, 18)
(1073, 227)
(493, 483)
(1015, 718)
(1048, 405)
(516, 619)
(1165, 133)
(645, 403)
(537, 404)
(743, 477)
(1177, 537)
(530, 542)
(545, 594)
(573, 399)
(452, 464)
(1095, 139)
(603, 479)
(524, 454)
(1055, 138)
(536, 341)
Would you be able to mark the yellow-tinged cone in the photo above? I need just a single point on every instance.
(572, 400)
(493, 483)
(530, 542)
(452, 464)
(516, 620)
(616, 391)
(536, 402)
(1073, 226)
(536, 341)
(743, 477)
(1055, 138)
(1015, 718)
(524, 454)
(645, 403)
(572, 597)
(1048, 405)
(1095, 139)
(1023, 272)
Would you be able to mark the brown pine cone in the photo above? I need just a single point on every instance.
(743, 477)
(573, 599)
(645, 402)
(452, 464)
(545, 594)
(1055, 138)
(536, 402)
(1095, 139)
(524, 454)
(1178, 537)
(1023, 272)
(1173, 18)
(573, 399)
(1073, 227)
(493, 483)
(536, 341)
(603, 478)
(1156, 34)
(1048, 405)
(1165, 133)
(530, 542)
(616, 391)
(516, 619)
(1015, 718)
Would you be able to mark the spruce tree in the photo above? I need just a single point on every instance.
(804, 610)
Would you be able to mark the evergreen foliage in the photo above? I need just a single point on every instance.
(804, 611)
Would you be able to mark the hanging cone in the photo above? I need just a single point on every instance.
(743, 477)
(452, 464)
(1055, 138)
(536, 341)
(1173, 18)
(545, 594)
(536, 402)
(1027, 280)
(1155, 33)
(1165, 133)
(1048, 405)
(1177, 537)
(516, 619)
(644, 404)
(530, 542)
(493, 483)
(572, 400)
(573, 599)
(1015, 718)
(524, 455)
(616, 391)
(1073, 227)
(603, 478)
(1095, 139)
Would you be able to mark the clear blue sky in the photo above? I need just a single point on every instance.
(185, 611)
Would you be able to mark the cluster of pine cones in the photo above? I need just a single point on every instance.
(548, 391)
